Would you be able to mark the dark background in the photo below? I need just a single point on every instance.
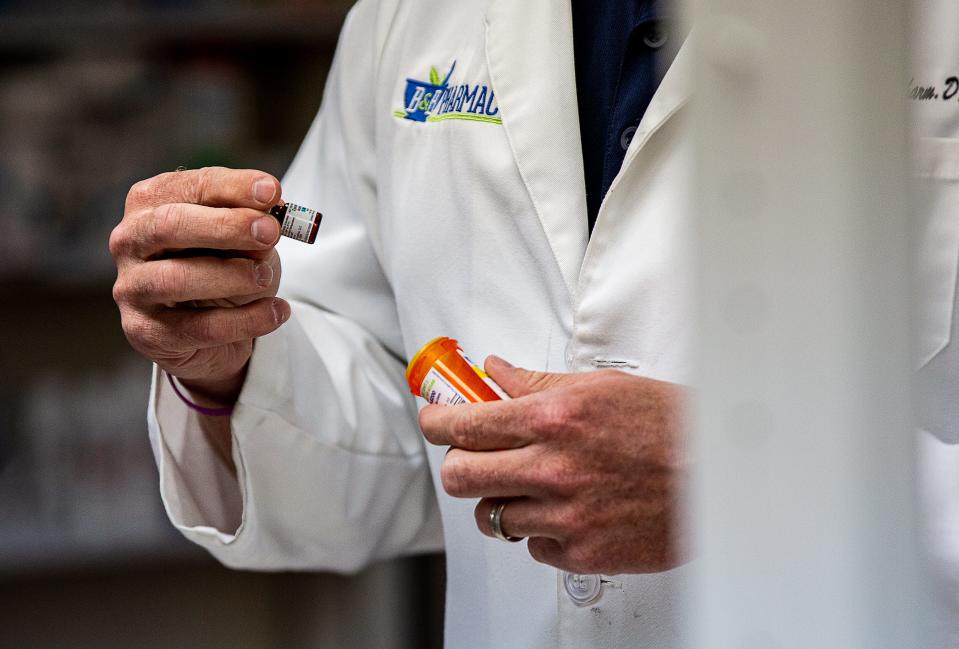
(94, 96)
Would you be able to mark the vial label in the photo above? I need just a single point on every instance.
(298, 222)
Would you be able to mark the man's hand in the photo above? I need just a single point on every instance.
(592, 466)
(197, 273)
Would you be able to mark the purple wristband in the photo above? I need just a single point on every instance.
(209, 412)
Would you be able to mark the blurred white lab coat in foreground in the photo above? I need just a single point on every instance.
(934, 92)
(454, 206)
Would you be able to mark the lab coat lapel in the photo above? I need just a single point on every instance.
(529, 50)
(673, 93)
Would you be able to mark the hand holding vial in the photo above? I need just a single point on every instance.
(197, 273)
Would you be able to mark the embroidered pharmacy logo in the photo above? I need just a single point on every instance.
(436, 100)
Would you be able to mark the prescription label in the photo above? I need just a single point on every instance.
(436, 389)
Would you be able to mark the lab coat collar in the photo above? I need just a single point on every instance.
(673, 93)
(529, 50)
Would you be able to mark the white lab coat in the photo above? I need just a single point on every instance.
(476, 229)
(471, 229)
(936, 65)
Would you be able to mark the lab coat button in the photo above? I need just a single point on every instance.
(627, 137)
(582, 589)
(656, 37)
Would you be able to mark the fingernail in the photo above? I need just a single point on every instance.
(499, 361)
(264, 273)
(264, 191)
(281, 311)
(265, 230)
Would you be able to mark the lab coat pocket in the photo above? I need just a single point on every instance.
(937, 167)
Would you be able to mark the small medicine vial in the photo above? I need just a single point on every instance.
(297, 222)
(442, 373)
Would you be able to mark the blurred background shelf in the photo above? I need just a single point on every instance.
(77, 483)
(105, 29)
(109, 104)
(93, 97)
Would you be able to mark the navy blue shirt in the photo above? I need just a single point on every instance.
(622, 49)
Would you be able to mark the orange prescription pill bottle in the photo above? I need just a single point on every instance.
(442, 373)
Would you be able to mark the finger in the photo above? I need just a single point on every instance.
(187, 253)
(494, 474)
(176, 226)
(519, 382)
(547, 550)
(187, 329)
(521, 517)
(211, 186)
(477, 427)
(170, 281)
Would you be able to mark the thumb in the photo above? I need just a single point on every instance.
(519, 382)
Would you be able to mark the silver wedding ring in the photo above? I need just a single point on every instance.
(496, 523)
